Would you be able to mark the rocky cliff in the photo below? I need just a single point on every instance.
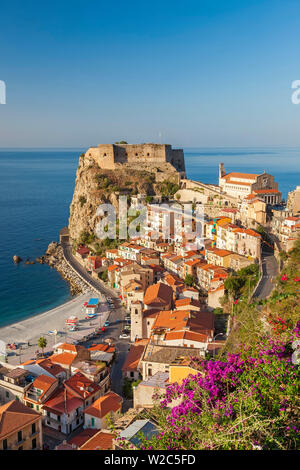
(95, 186)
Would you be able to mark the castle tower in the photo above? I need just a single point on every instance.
(136, 314)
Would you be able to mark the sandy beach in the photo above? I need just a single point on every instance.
(39, 325)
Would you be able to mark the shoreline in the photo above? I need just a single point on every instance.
(27, 332)
(39, 324)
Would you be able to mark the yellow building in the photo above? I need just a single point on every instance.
(20, 427)
(180, 371)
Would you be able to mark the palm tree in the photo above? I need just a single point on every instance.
(42, 343)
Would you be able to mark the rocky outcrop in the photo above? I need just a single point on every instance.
(55, 259)
(95, 186)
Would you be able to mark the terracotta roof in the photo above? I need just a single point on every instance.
(14, 416)
(48, 366)
(63, 358)
(188, 335)
(292, 219)
(133, 357)
(100, 441)
(265, 191)
(44, 383)
(113, 267)
(70, 347)
(62, 401)
(219, 252)
(83, 437)
(248, 176)
(83, 250)
(102, 347)
(110, 402)
(184, 302)
(158, 295)
(179, 320)
(173, 280)
(81, 385)
(192, 262)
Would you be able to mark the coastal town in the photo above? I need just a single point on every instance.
(87, 375)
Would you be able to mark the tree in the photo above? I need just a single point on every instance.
(149, 199)
(42, 343)
(189, 280)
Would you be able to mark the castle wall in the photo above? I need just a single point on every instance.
(112, 155)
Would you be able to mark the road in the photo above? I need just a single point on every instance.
(98, 285)
(116, 326)
(270, 271)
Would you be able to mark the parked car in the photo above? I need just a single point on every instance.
(127, 328)
(106, 323)
(128, 318)
(124, 336)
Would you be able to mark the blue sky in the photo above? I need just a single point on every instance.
(192, 73)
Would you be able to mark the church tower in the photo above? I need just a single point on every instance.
(221, 170)
(136, 314)
(221, 173)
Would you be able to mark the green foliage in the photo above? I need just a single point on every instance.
(42, 343)
(218, 311)
(128, 387)
(86, 238)
(149, 199)
(168, 189)
(103, 275)
(189, 280)
(242, 281)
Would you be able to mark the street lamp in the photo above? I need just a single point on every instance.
(219, 334)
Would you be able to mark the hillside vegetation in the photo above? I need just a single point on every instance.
(247, 398)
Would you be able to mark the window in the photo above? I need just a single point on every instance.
(7, 394)
(4, 444)
(150, 372)
(19, 436)
(34, 443)
(33, 428)
(93, 422)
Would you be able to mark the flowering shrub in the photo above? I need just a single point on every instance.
(245, 401)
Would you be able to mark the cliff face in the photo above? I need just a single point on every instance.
(95, 186)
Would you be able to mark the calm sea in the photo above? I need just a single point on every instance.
(36, 188)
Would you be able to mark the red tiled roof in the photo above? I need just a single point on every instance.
(133, 357)
(63, 358)
(62, 402)
(14, 416)
(265, 191)
(110, 402)
(158, 295)
(81, 385)
(43, 382)
(100, 441)
(83, 437)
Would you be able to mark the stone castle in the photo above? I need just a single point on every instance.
(155, 158)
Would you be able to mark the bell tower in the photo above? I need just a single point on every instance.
(221, 170)
(136, 314)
